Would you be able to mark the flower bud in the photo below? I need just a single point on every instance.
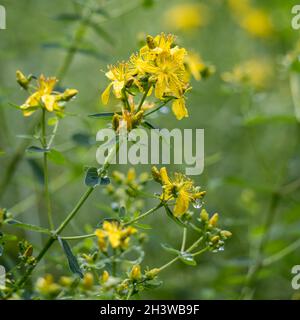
(215, 239)
(116, 122)
(204, 215)
(88, 280)
(151, 274)
(156, 174)
(22, 80)
(65, 281)
(226, 234)
(135, 273)
(150, 42)
(104, 277)
(69, 94)
(214, 220)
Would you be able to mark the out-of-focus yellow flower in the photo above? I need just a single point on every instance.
(46, 285)
(239, 7)
(187, 16)
(181, 189)
(46, 97)
(135, 273)
(257, 23)
(254, 73)
(115, 234)
(104, 277)
(194, 65)
(254, 20)
(88, 280)
(65, 281)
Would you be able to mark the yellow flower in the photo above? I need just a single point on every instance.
(179, 108)
(46, 97)
(255, 73)
(181, 189)
(120, 75)
(46, 285)
(257, 23)
(187, 16)
(117, 236)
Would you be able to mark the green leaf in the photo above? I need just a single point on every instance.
(152, 284)
(92, 177)
(101, 115)
(37, 170)
(70, 17)
(73, 263)
(56, 156)
(33, 149)
(170, 249)
(187, 258)
(102, 32)
(82, 139)
(28, 226)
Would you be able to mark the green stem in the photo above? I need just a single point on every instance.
(193, 246)
(46, 172)
(144, 215)
(79, 35)
(158, 108)
(85, 236)
(183, 239)
(18, 156)
(247, 291)
(143, 98)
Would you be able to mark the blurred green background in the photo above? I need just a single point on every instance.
(251, 134)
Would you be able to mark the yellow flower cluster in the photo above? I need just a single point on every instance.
(161, 65)
(114, 234)
(180, 188)
(44, 95)
(255, 73)
(187, 16)
(255, 21)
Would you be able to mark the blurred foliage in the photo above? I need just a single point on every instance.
(251, 123)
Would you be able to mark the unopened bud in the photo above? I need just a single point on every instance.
(226, 234)
(156, 174)
(22, 80)
(214, 220)
(150, 42)
(204, 215)
(116, 122)
(105, 276)
(88, 280)
(151, 274)
(135, 273)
